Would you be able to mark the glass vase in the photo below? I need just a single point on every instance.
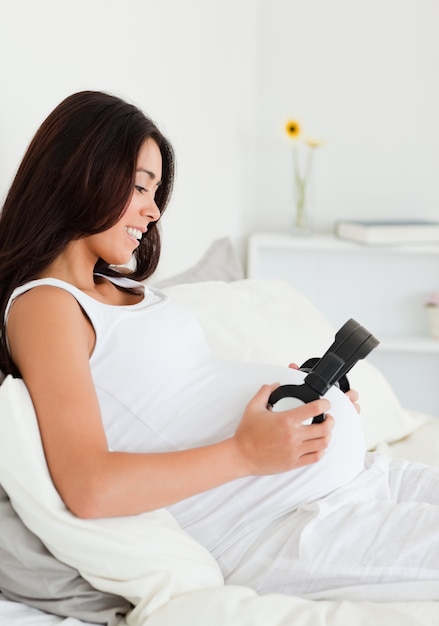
(302, 192)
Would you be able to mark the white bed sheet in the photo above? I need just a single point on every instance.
(241, 607)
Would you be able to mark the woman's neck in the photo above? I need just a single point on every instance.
(76, 267)
(73, 266)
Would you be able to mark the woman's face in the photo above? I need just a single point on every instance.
(117, 244)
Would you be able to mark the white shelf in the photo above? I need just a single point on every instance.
(327, 241)
(331, 242)
(382, 287)
(410, 343)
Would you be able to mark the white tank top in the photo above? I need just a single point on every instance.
(160, 388)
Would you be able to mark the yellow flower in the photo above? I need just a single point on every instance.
(292, 128)
(312, 142)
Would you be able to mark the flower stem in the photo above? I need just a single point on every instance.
(301, 183)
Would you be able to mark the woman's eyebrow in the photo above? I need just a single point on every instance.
(149, 173)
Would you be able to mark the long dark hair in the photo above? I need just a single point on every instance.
(75, 180)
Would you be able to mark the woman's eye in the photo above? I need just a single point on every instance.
(139, 188)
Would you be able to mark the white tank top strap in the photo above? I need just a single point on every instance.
(150, 293)
(99, 313)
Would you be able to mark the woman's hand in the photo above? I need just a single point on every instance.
(352, 394)
(272, 442)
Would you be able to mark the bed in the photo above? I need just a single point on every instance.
(168, 578)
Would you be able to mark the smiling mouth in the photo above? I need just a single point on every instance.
(135, 233)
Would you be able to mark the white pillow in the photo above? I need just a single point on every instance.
(267, 320)
(219, 262)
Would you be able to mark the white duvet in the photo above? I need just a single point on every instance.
(148, 559)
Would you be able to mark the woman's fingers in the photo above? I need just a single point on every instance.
(353, 396)
(273, 442)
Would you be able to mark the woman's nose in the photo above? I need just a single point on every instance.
(151, 210)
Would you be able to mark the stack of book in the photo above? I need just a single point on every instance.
(388, 232)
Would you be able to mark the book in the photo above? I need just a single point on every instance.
(388, 232)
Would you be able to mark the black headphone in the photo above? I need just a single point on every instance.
(352, 343)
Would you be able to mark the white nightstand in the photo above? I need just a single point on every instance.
(383, 288)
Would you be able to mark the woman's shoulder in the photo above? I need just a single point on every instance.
(40, 288)
(42, 320)
(43, 303)
(41, 293)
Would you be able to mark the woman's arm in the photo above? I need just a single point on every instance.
(51, 341)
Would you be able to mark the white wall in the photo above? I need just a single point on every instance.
(364, 76)
(220, 78)
(188, 64)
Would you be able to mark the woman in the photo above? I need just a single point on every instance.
(135, 412)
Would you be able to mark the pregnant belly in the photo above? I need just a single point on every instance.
(220, 516)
